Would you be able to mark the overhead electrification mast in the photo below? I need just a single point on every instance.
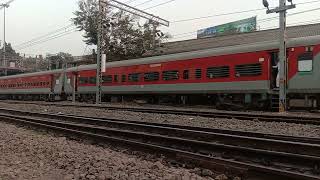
(282, 10)
(4, 62)
(102, 46)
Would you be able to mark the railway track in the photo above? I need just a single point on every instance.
(209, 114)
(219, 150)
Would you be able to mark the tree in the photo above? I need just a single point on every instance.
(86, 20)
(127, 38)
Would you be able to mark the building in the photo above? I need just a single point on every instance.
(236, 39)
(12, 61)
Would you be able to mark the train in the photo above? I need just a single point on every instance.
(239, 76)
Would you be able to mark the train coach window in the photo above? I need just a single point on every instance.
(198, 73)
(151, 76)
(107, 79)
(124, 78)
(218, 72)
(134, 77)
(92, 80)
(248, 70)
(83, 80)
(170, 75)
(186, 74)
(305, 62)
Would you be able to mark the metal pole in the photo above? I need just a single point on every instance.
(4, 42)
(283, 58)
(282, 10)
(74, 87)
(154, 35)
(103, 46)
(99, 52)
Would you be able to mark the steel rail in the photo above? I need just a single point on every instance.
(209, 114)
(207, 133)
(203, 160)
(193, 128)
(164, 138)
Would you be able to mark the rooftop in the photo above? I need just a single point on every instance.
(237, 39)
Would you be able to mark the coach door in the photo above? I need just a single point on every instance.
(274, 69)
(74, 84)
(52, 83)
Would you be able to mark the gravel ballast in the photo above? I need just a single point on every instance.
(280, 128)
(29, 154)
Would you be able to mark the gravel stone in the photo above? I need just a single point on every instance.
(28, 154)
(221, 177)
(206, 172)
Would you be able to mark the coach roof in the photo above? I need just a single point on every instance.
(32, 74)
(268, 45)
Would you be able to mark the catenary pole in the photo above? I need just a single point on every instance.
(4, 41)
(100, 48)
(102, 45)
(282, 10)
(4, 63)
(283, 58)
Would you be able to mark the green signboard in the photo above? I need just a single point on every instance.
(242, 26)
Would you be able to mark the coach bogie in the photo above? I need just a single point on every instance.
(303, 101)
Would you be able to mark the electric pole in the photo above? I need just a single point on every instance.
(102, 45)
(154, 35)
(282, 10)
(4, 63)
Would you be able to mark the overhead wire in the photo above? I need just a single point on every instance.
(259, 21)
(295, 24)
(145, 2)
(161, 4)
(232, 13)
(35, 40)
(45, 35)
(56, 33)
(199, 43)
(189, 34)
(48, 39)
(130, 1)
(290, 14)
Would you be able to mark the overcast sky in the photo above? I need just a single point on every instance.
(28, 19)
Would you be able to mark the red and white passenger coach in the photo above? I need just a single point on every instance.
(243, 75)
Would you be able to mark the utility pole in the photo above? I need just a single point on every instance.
(154, 35)
(4, 41)
(74, 84)
(282, 10)
(102, 46)
(4, 63)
